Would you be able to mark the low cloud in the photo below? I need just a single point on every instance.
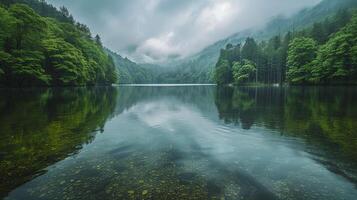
(158, 30)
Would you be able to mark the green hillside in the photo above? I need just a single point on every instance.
(43, 46)
(129, 71)
(324, 53)
(199, 68)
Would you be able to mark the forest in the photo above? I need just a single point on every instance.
(131, 72)
(325, 53)
(43, 46)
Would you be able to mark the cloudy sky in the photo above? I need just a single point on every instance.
(157, 30)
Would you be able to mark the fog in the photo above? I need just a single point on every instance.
(158, 30)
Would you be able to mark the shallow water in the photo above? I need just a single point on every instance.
(179, 142)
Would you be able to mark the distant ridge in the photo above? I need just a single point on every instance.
(201, 65)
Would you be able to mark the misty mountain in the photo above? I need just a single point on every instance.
(129, 71)
(199, 68)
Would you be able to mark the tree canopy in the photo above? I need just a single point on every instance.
(302, 51)
(244, 71)
(324, 53)
(49, 51)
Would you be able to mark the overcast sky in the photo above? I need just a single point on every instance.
(156, 30)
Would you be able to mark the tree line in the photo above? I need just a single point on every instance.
(131, 72)
(43, 46)
(325, 53)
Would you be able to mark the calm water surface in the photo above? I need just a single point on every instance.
(184, 142)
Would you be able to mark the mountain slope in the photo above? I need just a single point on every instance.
(129, 71)
(43, 46)
(201, 65)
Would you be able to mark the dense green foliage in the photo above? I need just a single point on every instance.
(322, 54)
(200, 67)
(244, 71)
(46, 51)
(130, 72)
(189, 71)
(46, 10)
(224, 73)
(38, 64)
(301, 53)
(337, 59)
(332, 62)
(270, 57)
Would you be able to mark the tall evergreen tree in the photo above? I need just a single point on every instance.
(223, 73)
(98, 40)
(318, 33)
(250, 50)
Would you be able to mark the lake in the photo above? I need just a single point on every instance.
(179, 142)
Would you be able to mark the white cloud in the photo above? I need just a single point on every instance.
(216, 14)
(157, 30)
(158, 49)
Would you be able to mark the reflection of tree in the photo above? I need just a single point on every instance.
(40, 127)
(246, 105)
(325, 117)
(236, 106)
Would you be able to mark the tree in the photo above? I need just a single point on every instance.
(64, 11)
(7, 24)
(223, 73)
(111, 73)
(244, 71)
(302, 51)
(4, 60)
(45, 51)
(337, 59)
(98, 40)
(1, 73)
(29, 26)
(275, 42)
(318, 33)
(274, 60)
(250, 50)
(23, 68)
(229, 46)
(284, 51)
(65, 63)
(341, 18)
(84, 28)
(27, 69)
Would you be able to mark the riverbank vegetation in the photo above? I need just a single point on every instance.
(325, 53)
(43, 46)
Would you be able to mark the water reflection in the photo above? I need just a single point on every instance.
(198, 142)
(325, 117)
(42, 126)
